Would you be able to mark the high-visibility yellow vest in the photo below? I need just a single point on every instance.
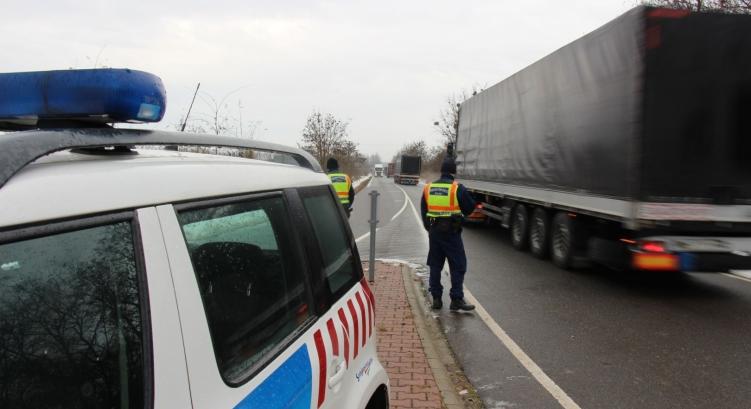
(342, 183)
(442, 199)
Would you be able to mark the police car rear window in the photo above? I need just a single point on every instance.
(70, 321)
(251, 280)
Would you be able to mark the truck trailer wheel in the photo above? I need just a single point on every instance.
(520, 227)
(562, 241)
(539, 231)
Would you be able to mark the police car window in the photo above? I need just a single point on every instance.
(336, 253)
(251, 227)
(251, 280)
(70, 321)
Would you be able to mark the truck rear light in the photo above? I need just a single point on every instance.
(652, 255)
(655, 262)
(652, 246)
(479, 206)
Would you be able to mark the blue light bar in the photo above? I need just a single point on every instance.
(93, 95)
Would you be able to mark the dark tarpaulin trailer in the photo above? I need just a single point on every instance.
(654, 106)
(408, 165)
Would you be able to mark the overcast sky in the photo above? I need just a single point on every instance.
(384, 66)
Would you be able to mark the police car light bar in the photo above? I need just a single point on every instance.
(99, 96)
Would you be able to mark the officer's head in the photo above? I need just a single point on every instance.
(448, 167)
(332, 164)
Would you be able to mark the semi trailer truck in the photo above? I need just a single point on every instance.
(390, 169)
(407, 170)
(629, 147)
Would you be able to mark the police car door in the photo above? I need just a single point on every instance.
(253, 335)
(348, 368)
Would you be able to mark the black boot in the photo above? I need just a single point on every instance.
(460, 304)
(437, 303)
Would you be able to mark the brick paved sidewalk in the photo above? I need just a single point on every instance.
(399, 346)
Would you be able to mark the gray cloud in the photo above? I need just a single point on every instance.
(386, 66)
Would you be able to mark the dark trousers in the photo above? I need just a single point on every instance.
(443, 246)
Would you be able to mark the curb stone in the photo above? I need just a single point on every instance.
(448, 374)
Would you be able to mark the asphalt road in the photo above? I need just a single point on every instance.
(398, 235)
(606, 339)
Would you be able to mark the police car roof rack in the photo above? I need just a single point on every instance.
(18, 149)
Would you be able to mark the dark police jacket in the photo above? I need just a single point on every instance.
(466, 203)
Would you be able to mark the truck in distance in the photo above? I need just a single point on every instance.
(628, 147)
(378, 170)
(407, 170)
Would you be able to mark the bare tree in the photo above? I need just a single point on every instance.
(250, 129)
(218, 118)
(323, 134)
(416, 148)
(373, 160)
(432, 164)
(448, 121)
(351, 161)
(725, 6)
(431, 156)
(324, 137)
(194, 125)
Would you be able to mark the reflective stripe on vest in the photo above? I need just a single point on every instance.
(341, 183)
(442, 199)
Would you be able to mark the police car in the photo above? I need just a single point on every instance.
(137, 277)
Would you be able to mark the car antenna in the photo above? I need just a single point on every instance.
(185, 122)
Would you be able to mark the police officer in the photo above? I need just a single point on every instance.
(342, 184)
(444, 204)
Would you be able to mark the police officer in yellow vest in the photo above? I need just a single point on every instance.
(444, 204)
(342, 185)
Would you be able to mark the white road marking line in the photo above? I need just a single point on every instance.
(737, 277)
(417, 215)
(356, 184)
(521, 356)
(406, 201)
(364, 236)
(543, 379)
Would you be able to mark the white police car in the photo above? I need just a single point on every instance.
(147, 278)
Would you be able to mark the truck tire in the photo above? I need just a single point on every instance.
(539, 233)
(563, 240)
(520, 227)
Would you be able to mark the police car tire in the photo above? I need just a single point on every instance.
(539, 233)
(520, 227)
(562, 241)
